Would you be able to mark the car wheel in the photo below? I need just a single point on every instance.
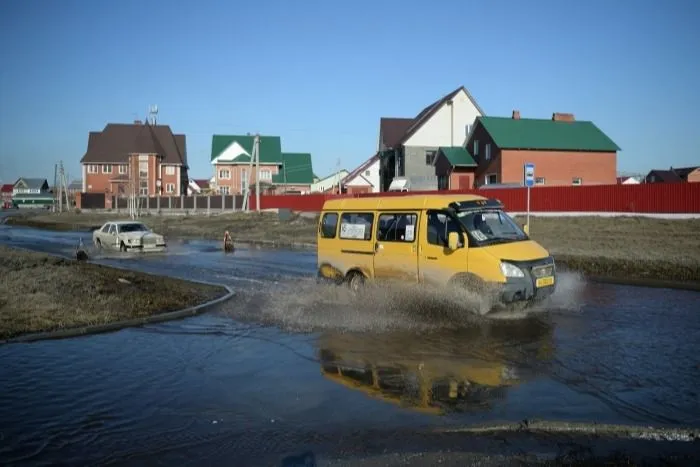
(356, 281)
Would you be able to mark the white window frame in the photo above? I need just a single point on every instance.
(123, 169)
(487, 151)
(106, 168)
(93, 169)
(475, 149)
(577, 181)
(169, 170)
(467, 129)
(265, 174)
(224, 190)
(486, 178)
(170, 188)
(221, 173)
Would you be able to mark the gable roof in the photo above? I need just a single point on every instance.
(430, 110)
(202, 183)
(242, 145)
(458, 156)
(545, 134)
(683, 172)
(360, 170)
(393, 129)
(32, 183)
(117, 140)
(296, 169)
(663, 176)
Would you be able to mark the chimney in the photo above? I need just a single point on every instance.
(562, 117)
(516, 115)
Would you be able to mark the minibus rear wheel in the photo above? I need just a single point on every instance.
(355, 281)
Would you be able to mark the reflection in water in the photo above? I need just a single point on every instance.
(461, 370)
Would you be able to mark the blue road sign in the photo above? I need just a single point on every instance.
(529, 170)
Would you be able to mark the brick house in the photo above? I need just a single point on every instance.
(408, 146)
(455, 168)
(149, 157)
(279, 172)
(564, 151)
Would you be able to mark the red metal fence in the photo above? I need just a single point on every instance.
(666, 198)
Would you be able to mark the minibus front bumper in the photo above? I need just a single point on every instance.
(539, 281)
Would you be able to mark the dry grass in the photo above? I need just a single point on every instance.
(635, 247)
(40, 292)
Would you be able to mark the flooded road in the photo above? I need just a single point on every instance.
(290, 365)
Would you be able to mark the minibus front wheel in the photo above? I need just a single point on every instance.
(355, 280)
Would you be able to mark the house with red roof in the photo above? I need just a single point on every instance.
(365, 178)
(6, 192)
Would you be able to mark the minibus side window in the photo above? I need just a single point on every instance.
(329, 224)
(356, 225)
(440, 225)
(397, 227)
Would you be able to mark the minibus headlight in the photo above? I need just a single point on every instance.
(511, 270)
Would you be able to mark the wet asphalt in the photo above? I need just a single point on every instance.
(291, 366)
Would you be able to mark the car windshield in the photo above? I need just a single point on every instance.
(133, 228)
(491, 226)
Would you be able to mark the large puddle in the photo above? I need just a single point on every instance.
(291, 363)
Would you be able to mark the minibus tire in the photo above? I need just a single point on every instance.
(355, 280)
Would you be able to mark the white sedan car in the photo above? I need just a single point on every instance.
(127, 236)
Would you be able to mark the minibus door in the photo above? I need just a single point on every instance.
(396, 246)
(436, 262)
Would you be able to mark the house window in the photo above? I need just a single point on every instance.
(366, 173)
(490, 179)
(487, 151)
(225, 174)
(539, 180)
(266, 174)
(93, 169)
(170, 188)
(106, 169)
(122, 169)
(442, 182)
(143, 187)
(143, 169)
(224, 190)
(467, 130)
(170, 170)
(429, 157)
(476, 147)
(577, 181)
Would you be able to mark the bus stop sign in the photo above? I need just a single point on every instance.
(529, 175)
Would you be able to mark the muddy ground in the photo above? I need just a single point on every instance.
(39, 292)
(620, 247)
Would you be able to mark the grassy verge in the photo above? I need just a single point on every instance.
(39, 292)
(621, 247)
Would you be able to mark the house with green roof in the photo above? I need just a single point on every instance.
(455, 168)
(564, 151)
(280, 172)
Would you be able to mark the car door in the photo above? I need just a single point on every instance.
(103, 233)
(396, 247)
(437, 264)
(113, 236)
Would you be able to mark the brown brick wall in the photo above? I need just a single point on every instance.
(560, 167)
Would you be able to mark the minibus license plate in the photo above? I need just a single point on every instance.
(544, 281)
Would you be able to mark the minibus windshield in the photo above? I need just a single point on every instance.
(491, 226)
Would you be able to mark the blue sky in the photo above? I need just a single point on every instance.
(320, 74)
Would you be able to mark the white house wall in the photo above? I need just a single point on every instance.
(436, 131)
(328, 182)
(230, 153)
(373, 177)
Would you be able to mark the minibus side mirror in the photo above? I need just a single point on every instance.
(453, 241)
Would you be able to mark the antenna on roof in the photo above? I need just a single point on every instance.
(152, 113)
